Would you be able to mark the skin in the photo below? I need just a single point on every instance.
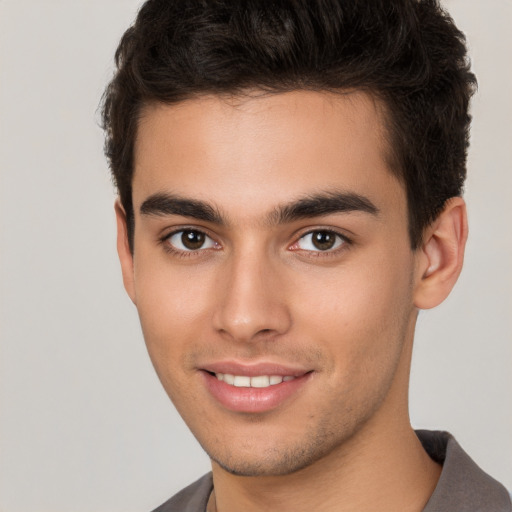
(260, 291)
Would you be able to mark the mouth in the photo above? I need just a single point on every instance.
(253, 389)
(259, 381)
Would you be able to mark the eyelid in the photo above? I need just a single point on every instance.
(169, 231)
(165, 240)
(345, 241)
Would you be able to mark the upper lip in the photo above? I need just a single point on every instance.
(254, 369)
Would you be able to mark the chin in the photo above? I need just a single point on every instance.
(273, 461)
(262, 468)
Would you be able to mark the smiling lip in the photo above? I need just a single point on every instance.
(252, 388)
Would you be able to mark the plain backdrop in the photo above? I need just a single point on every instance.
(84, 423)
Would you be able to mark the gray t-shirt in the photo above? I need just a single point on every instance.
(462, 487)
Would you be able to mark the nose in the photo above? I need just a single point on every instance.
(250, 301)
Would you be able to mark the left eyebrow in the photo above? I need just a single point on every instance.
(320, 204)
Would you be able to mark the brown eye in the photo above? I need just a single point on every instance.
(190, 240)
(320, 240)
(323, 240)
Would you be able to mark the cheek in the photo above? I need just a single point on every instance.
(173, 307)
(361, 313)
(171, 313)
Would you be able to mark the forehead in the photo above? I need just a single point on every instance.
(245, 154)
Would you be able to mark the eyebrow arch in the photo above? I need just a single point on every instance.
(326, 203)
(161, 204)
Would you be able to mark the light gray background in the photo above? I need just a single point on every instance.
(85, 425)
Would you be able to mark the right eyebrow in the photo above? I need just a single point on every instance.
(160, 204)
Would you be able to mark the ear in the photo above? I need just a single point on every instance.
(123, 251)
(441, 255)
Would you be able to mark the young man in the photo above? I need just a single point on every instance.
(290, 177)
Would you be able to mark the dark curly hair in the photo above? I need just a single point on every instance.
(407, 53)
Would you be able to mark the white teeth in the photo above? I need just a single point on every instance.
(260, 381)
(242, 381)
(229, 379)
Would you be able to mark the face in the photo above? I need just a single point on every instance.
(272, 273)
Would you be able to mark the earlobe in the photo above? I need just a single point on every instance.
(123, 251)
(441, 256)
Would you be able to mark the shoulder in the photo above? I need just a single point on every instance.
(463, 486)
(190, 499)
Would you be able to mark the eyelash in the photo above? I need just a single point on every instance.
(328, 253)
(168, 247)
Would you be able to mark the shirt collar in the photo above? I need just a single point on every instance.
(463, 486)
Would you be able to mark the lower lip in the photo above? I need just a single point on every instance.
(252, 399)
